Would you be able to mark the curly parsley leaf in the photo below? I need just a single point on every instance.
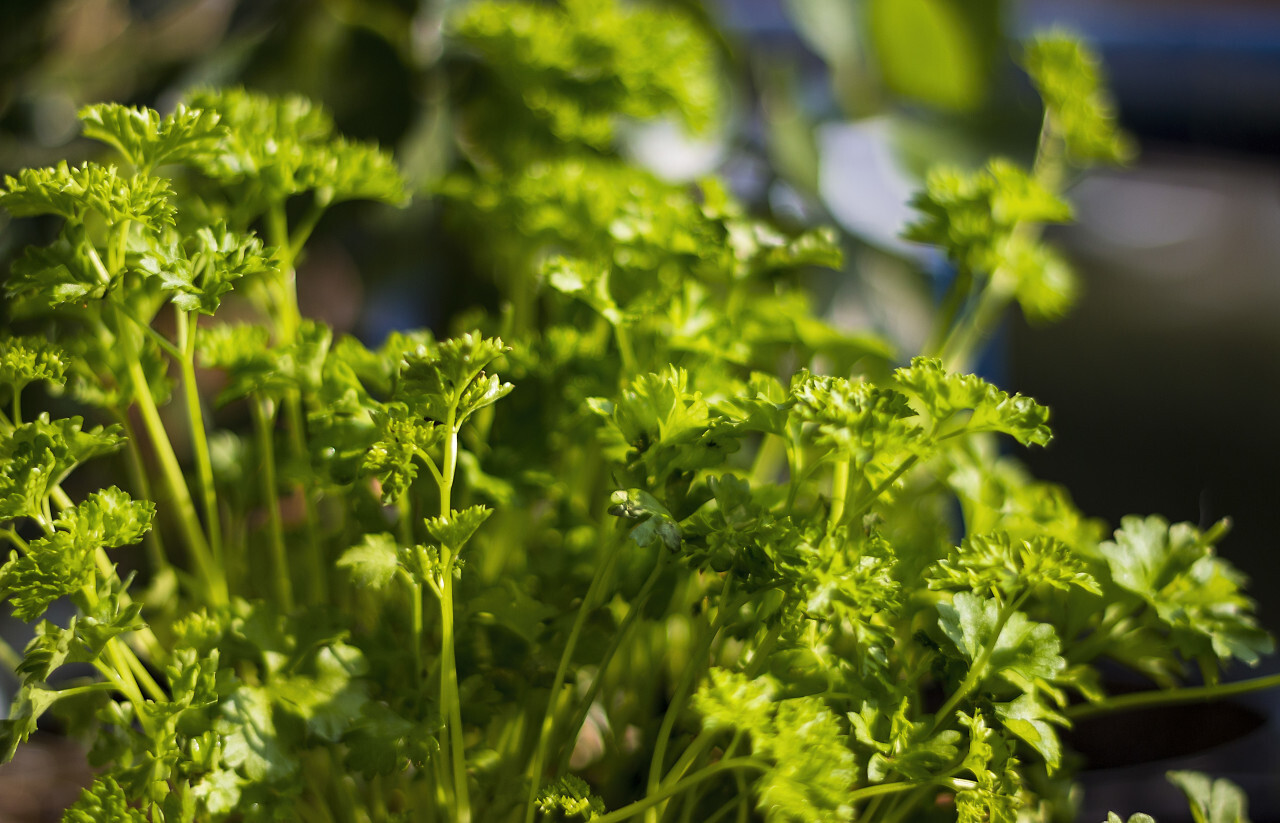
(197, 273)
(146, 140)
(1212, 801)
(1195, 594)
(26, 360)
(402, 439)
(993, 796)
(40, 454)
(1022, 651)
(287, 145)
(1079, 110)
(856, 419)
(75, 191)
(454, 529)
(448, 382)
(373, 561)
(943, 395)
(573, 69)
(999, 563)
(104, 801)
(570, 798)
(811, 769)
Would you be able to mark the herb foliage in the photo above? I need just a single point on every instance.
(704, 555)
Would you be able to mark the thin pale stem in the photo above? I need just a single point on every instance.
(262, 424)
(1171, 697)
(187, 330)
(623, 630)
(694, 779)
(211, 574)
(687, 679)
(562, 670)
(839, 492)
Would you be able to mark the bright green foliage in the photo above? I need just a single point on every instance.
(103, 801)
(448, 383)
(993, 796)
(660, 427)
(75, 192)
(943, 395)
(198, 272)
(455, 528)
(971, 216)
(811, 769)
(1002, 565)
(1212, 801)
(1194, 594)
(1078, 109)
(26, 360)
(373, 561)
(147, 140)
(856, 420)
(979, 220)
(574, 67)
(1016, 648)
(282, 146)
(900, 745)
(402, 439)
(60, 273)
(719, 554)
(570, 798)
(62, 563)
(38, 455)
(107, 518)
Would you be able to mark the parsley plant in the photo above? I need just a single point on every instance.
(705, 556)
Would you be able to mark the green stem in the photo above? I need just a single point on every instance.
(449, 462)
(211, 574)
(901, 806)
(694, 750)
(1168, 697)
(978, 670)
(449, 700)
(957, 295)
(562, 670)
(765, 468)
(415, 621)
(9, 657)
(633, 612)
(965, 338)
(687, 678)
(159, 339)
(625, 350)
(262, 425)
(318, 574)
(187, 330)
(286, 301)
(694, 779)
(152, 541)
(860, 508)
(839, 492)
(868, 792)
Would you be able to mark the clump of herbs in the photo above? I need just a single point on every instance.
(704, 555)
